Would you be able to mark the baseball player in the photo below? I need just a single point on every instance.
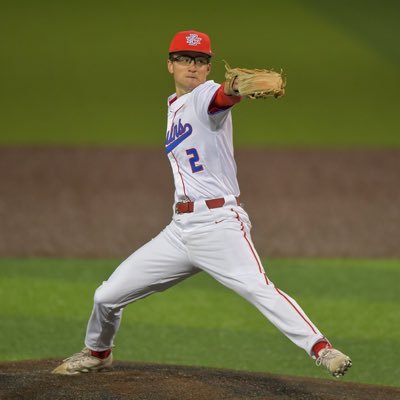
(210, 230)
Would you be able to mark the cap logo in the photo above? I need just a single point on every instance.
(193, 39)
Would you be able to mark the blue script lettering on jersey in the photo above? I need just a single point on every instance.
(177, 134)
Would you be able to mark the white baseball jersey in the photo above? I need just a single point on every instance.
(199, 146)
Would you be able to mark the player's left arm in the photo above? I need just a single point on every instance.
(222, 101)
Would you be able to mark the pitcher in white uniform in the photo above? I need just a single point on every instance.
(209, 231)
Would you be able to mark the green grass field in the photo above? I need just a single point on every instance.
(46, 304)
(85, 73)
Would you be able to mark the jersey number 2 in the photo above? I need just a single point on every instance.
(194, 159)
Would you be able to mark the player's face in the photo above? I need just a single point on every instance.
(189, 70)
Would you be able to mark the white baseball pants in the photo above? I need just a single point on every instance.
(216, 241)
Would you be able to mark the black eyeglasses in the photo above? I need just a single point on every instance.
(187, 60)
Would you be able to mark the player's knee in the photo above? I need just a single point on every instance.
(245, 289)
(251, 289)
(103, 297)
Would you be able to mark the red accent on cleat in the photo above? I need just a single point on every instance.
(100, 354)
(320, 346)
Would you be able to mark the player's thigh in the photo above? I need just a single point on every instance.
(225, 247)
(154, 267)
(227, 253)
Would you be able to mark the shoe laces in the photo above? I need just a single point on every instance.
(84, 353)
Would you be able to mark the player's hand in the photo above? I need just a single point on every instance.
(235, 87)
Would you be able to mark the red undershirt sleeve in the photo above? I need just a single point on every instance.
(221, 101)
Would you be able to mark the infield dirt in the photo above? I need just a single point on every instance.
(107, 202)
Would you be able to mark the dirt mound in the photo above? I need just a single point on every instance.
(32, 380)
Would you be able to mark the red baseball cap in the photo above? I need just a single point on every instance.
(191, 41)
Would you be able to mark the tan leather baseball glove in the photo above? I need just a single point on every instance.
(254, 83)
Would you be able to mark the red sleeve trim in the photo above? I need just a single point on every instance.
(221, 101)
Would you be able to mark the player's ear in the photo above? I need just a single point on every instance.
(170, 66)
(208, 68)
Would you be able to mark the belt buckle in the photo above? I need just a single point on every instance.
(180, 202)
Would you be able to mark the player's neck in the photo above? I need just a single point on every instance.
(181, 91)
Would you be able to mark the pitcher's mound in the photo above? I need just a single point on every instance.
(33, 380)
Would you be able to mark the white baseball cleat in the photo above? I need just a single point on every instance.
(83, 362)
(334, 361)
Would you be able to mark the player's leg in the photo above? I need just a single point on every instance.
(158, 265)
(227, 253)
